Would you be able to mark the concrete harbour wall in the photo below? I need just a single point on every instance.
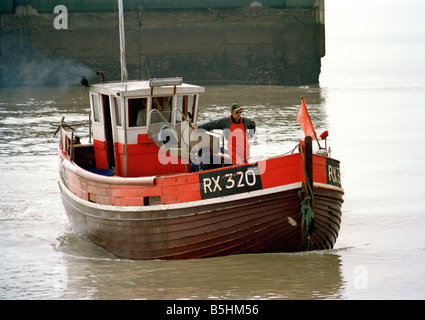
(252, 44)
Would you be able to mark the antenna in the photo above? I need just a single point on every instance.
(124, 74)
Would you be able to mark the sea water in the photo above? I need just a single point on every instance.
(371, 99)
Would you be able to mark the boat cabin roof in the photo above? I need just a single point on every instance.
(160, 86)
(128, 119)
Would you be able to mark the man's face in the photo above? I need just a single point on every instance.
(236, 114)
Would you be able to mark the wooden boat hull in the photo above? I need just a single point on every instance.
(259, 222)
(248, 208)
(156, 204)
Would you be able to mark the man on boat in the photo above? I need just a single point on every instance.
(237, 131)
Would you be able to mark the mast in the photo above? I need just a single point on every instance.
(124, 74)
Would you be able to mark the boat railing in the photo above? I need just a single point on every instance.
(68, 140)
(183, 129)
(150, 117)
(156, 130)
(182, 140)
(174, 115)
(169, 132)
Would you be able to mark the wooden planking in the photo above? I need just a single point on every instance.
(259, 224)
(228, 243)
(115, 195)
(327, 213)
(319, 169)
(192, 230)
(249, 235)
(185, 187)
(248, 231)
(281, 171)
(194, 225)
(179, 188)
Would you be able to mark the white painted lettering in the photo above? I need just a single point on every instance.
(216, 186)
(334, 175)
(240, 183)
(251, 173)
(330, 173)
(207, 184)
(229, 180)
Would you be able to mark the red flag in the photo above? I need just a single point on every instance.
(305, 121)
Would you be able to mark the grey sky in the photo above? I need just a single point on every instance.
(374, 16)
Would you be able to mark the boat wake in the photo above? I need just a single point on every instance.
(77, 245)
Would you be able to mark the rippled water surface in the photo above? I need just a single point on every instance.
(374, 111)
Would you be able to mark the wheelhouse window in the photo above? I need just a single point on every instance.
(118, 111)
(186, 104)
(137, 112)
(164, 106)
(96, 110)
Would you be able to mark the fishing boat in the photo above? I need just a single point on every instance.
(149, 185)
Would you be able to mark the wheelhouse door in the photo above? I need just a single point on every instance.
(109, 138)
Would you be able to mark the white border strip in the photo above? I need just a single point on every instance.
(183, 205)
(328, 187)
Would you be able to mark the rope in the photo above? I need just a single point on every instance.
(307, 219)
(291, 151)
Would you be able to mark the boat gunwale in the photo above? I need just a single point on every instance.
(175, 206)
(76, 169)
(150, 181)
